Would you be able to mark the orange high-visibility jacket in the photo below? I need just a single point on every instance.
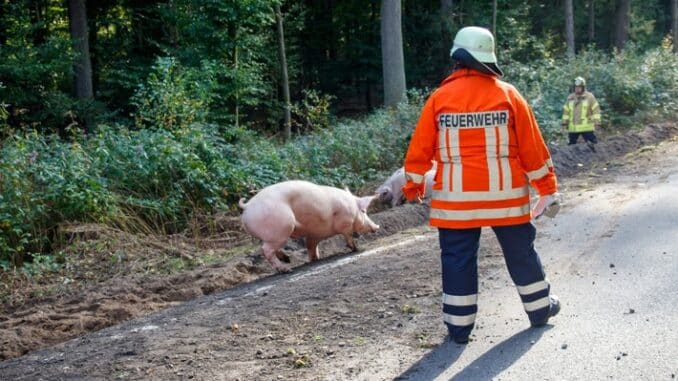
(488, 147)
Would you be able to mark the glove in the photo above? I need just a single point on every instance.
(413, 191)
(548, 205)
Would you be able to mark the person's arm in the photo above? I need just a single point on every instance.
(566, 114)
(420, 152)
(595, 111)
(535, 159)
(532, 150)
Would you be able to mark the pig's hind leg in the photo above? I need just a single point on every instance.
(282, 256)
(271, 252)
(274, 231)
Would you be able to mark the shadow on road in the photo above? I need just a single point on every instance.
(484, 367)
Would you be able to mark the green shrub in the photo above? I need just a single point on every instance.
(4, 127)
(627, 85)
(43, 182)
(312, 112)
(36, 77)
(660, 69)
(159, 178)
(174, 97)
(163, 177)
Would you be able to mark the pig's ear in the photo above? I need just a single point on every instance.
(364, 202)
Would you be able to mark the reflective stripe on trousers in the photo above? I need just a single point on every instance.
(459, 250)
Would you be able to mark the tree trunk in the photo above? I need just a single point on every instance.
(393, 61)
(373, 41)
(236, 110)
(569, 28)
(83, 65)
(92, 12)
(447, 19)
(446, 23)
(287, 130)
(494, 18)
(3, 27)
(446, 7)
(36, 11)
(592, 21)
(674, 24)
(621, 23)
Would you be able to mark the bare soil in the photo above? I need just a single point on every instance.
(109, 277)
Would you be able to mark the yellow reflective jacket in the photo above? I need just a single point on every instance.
(581, 112)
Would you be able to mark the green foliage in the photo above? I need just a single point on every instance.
(39, 264)
(237, 38)
(312, 113)
(35, 72)
(660, 69)
(4, 127)
(45, 181)
(174, 97)
(158, 179)
(629, 85)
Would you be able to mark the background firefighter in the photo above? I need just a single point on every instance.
(581, 114)
(488, 146)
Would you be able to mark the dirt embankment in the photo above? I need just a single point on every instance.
(41, 320)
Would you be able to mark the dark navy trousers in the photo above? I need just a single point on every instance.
(589, 136)
(459, 256)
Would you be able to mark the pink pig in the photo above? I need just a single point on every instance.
(303, 209)
(391, 189)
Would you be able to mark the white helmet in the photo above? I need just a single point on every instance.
(580, 81)
(474, 47)
(479, 42)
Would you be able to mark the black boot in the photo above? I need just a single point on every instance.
(554, 308)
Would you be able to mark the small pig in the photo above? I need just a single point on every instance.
(302, 209)
(391, 189)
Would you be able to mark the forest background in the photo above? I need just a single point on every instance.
(150, 115)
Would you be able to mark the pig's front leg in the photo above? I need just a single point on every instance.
(350, 242)
(312, 247)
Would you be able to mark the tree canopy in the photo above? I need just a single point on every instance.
(226, 52)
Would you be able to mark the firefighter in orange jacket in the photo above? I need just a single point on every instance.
(488, 146)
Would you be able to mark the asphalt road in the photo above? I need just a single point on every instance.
(612, 257)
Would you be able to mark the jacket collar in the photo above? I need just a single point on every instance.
(465, 72)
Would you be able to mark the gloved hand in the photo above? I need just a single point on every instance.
(413, 191)
(548, 205)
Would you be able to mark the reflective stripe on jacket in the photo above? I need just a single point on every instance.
(581, 112)
(488, 147)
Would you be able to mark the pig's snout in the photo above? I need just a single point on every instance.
(366, 225)
(385, 196)
(372, 227)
